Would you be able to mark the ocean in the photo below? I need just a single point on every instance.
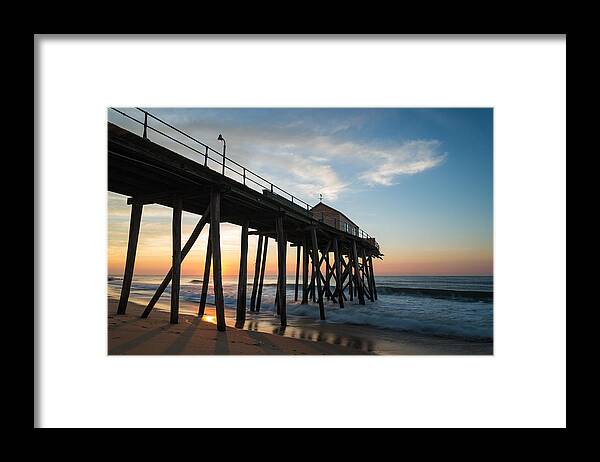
(446, 306)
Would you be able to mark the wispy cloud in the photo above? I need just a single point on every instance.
(319, 180)
(408, 159)
(314, 164)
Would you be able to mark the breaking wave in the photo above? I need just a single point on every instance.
(446, 294)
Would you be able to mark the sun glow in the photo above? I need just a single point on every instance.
(209, 318)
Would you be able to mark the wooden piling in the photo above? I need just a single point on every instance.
(367, 274)
(357, 280)
(276, 306)
(346, 272)
(313, 292)
(327, 275)
(320, 260)
(281, 254)
(350, 277)
(186, 248)
(363, 273)
(256, 273)
(205, 278)
(344, 275)
(372, 277)
(215, 235)
(331, 275)
(344, 269)
(304, 271)
(297, 272)
(326, 290)
(240, 316)
(338, 272)
(134, 232)
(317, 270)
(262, 273)
(176, 265)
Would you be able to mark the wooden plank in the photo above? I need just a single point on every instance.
(262, 273)
(176, 264)
(317, 270)
(215, 235)
(256, 273)
(162, 196)
(357, 281)
(240, 316)
(262, 232)
(134, 232)
(205, 278)
(186, 249)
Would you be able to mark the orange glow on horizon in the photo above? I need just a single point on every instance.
(463, 256)
(393, 264)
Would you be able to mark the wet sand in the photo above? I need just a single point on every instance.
(130, 335)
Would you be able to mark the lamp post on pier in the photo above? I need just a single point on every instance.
(220, 138)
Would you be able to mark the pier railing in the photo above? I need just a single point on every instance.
(215, 160)
(337, 225)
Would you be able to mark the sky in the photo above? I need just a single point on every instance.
(419, 180)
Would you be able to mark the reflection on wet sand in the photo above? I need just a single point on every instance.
(305, 331)
(363, 339)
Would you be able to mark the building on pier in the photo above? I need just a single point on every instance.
(332, 217)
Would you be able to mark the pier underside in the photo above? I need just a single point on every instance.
(333, 264)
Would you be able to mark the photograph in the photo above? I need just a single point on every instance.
(300, 231)
(364, 230)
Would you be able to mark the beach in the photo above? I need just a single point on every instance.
(130, 335)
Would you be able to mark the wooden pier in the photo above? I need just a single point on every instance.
(340, 263)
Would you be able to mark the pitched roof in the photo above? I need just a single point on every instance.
(322, 205)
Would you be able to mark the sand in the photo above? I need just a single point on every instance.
(130, 335)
